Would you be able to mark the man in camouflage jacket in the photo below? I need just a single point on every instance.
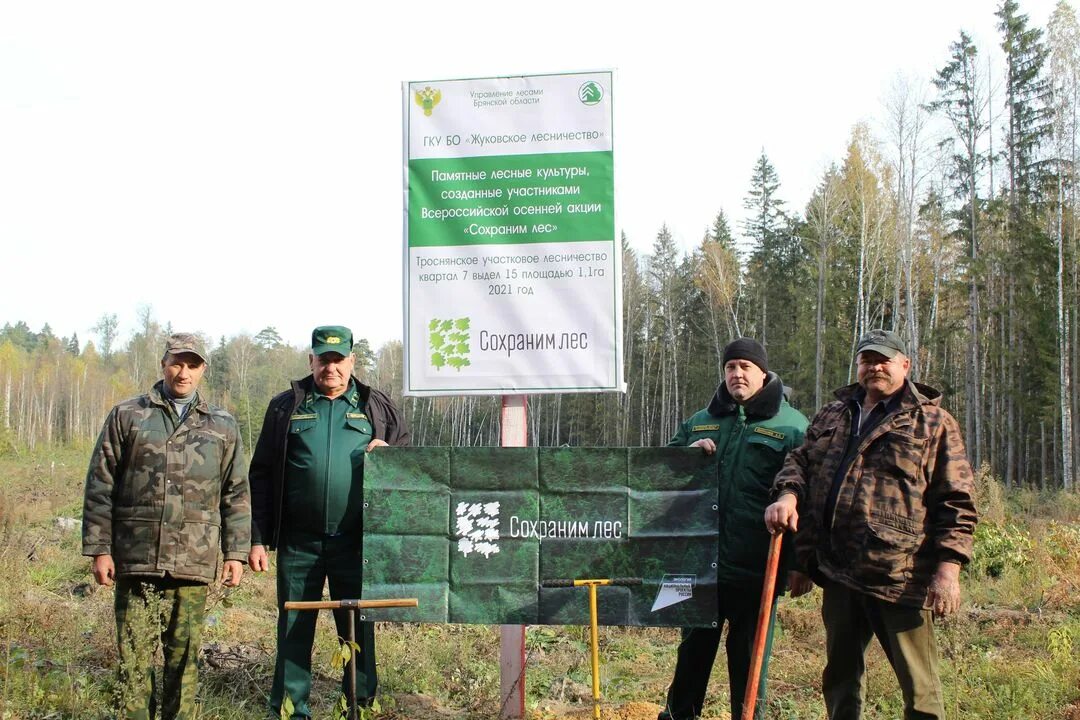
(881, 493)
(166, 493)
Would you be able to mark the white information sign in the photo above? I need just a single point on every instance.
(513, 278)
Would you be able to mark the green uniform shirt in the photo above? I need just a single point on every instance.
(324, 471)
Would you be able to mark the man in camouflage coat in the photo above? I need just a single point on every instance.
(749, 427)
(881, 493)
(166, 492)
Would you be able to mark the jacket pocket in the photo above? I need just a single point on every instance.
(135, 543)
(359, 423)
(198, 549)
(205, 451)
(888, 550)
(764, 456)
(900, 455)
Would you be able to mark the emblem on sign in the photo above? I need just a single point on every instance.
(427, 99)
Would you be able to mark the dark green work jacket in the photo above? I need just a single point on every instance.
(751, 443)
(324, 471)
(269, 462)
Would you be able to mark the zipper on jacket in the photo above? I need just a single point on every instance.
(735, 436)
(329, 462)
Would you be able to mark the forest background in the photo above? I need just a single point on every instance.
(954, 223)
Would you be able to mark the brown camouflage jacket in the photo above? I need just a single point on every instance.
(904, 504)
(164, 496)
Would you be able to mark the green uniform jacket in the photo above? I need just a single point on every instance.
(164, 497)
(905, 502)
(271, 451)
(751, 443)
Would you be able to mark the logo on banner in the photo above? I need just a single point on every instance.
(674, 589)
(477, 528)
(590, 93)
(427, 99)
(448, 341)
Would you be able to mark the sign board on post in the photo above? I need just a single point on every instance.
(512, 271)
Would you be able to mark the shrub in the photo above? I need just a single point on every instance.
(997, 547)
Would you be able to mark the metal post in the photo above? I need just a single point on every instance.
(514, 423)
(594, 641)
(351, 667)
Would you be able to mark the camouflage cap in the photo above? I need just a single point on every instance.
(885, 342)
(331, 338)
(187, 343)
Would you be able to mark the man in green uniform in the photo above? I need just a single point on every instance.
(307, 503)
(749, 427)
(166, 492)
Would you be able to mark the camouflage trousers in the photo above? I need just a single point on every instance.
(149, 611)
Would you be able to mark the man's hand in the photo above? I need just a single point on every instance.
(258, 560)
(231, 573)
(799, 583)
(943, 597)
(706, 444)
(782, 514)
(104, 570)
(374, 444)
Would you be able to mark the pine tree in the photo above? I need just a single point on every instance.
(1030, 374)
(961, 100)
(763, 228)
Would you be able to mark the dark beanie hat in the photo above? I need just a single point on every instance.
(747, 349)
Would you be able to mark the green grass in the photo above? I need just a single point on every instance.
(1012, 651)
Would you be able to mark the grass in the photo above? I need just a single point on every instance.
(1012, 652)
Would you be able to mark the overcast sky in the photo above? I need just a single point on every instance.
(237, 165)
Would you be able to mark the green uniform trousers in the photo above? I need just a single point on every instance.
(149, 610)
(305, 562)
(905, 633)
(738, 607)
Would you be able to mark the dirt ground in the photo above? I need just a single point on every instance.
(420, 707)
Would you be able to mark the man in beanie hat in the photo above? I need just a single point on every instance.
(307, 477)
(749, 428)
(166, 495)
(881, 494)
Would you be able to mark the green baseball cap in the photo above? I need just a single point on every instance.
(178, 343)
(331, 338)
(885, 342)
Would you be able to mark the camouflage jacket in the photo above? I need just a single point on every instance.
(271, 450)
(904, 504)
(162, 496)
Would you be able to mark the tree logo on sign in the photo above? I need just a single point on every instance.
(590, 93)
(449, 343)
(477, 526)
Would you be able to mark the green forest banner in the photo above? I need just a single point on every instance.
(475, 533)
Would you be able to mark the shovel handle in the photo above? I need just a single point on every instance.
(768, 589)
(358, 604)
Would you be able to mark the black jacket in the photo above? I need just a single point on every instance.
(267, 471)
